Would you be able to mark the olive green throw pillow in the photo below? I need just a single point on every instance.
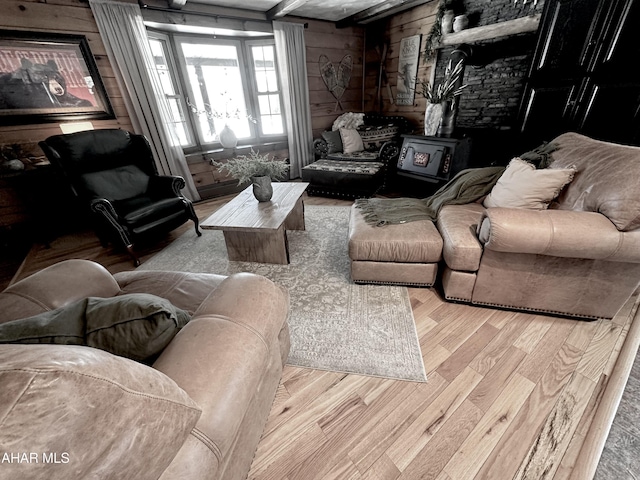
(137, 326)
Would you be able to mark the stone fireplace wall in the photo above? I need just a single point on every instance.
(491, 102)
(496, 82)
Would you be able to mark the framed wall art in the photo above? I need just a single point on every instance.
(408, 69)
(47, 77)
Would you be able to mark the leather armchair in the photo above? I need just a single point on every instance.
(113, 173)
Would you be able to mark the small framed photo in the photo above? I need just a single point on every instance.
(49, 77)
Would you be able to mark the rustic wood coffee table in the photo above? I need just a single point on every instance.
(256, 231)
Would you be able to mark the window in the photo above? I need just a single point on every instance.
(267, 89)
(226, 81)
(166, 71)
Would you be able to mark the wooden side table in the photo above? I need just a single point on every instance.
(256, 231)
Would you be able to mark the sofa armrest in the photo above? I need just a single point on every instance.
(222, 357)
(389, 151)
(166, 185)
(56, 286)
(250, 300)
(558, 233)
(320, 148)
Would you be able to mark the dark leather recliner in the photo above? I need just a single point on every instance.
(113, 172)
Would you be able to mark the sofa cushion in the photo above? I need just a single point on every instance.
(91, 412)
(334, 141)
(345, 166)
(411, 242)
(523, 186)
(351, 140)
(373, 137)
(607, 178)
(137, 326)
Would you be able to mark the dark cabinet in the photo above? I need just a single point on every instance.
(583, 76)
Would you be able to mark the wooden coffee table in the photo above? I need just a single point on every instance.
(256, 231)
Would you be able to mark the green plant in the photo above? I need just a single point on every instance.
(446, 90)
(243, 167)
(435, 34)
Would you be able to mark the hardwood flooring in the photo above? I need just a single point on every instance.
(509, 395)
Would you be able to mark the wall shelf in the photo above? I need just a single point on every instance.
(496, 30)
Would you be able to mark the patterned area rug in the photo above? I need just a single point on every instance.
(335, 325)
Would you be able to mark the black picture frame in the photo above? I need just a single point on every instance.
(49, 77)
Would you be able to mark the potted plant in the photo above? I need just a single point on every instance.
(441, 99)
(258, 169)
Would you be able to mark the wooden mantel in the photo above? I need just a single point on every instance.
(496, 30)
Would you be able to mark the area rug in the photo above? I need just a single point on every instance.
(335, 325)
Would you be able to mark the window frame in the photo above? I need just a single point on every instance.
(249, 87)
(249, 43)
(168, 49)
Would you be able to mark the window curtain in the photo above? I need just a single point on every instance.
(125, 37)
(292, 65)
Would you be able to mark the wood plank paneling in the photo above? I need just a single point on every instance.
(418, 20)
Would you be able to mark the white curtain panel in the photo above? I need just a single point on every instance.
(292, 65)
(125, 37)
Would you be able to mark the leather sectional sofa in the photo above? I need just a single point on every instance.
(580, 257)
(72, 412)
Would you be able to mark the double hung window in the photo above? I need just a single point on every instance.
(218, 82)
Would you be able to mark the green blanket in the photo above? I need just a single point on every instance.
(466, 187)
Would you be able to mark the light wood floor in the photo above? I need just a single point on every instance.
(509, 395)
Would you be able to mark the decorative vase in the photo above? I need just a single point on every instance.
(432, 117)
(448, 119)
(262, 188)
(460, 23)
(447, 21)
(227, 137)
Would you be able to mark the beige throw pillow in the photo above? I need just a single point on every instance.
(351, 140)
(523, 186)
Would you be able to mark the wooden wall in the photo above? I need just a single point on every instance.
(324, 38)
(418, 20)
(59, 16)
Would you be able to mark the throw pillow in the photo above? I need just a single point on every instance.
(85, 412)
(351, 140)
(137, 326)
(523, 186)
(334, 141)
(374, 137)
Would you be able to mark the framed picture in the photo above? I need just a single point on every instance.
(47, 77)
(408, 69)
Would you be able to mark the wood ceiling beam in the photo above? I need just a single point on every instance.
(377, 12)
(284, 8)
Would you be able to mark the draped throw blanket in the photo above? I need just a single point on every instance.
(466, 187)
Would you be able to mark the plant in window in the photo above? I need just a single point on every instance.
(245, 167)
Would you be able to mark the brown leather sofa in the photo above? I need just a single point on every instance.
(69, 411)
(579, 258)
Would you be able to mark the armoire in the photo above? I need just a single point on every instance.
(584, 76)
